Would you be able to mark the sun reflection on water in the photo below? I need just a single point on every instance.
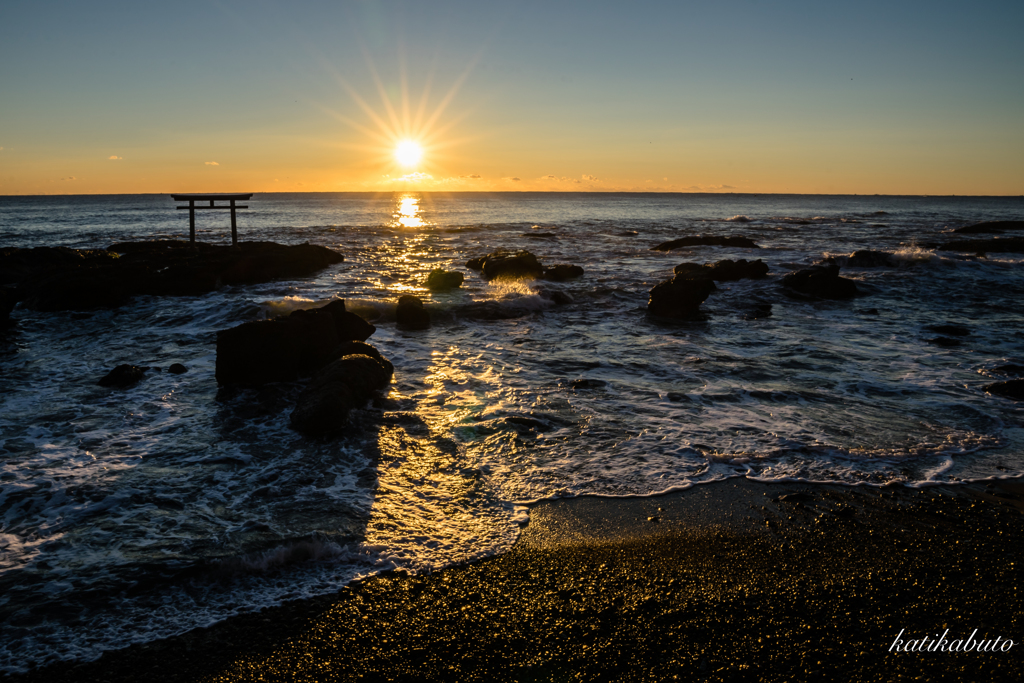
(407, 213)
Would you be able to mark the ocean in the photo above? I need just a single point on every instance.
(128, 515)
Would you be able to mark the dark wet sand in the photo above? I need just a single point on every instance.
(726, 582)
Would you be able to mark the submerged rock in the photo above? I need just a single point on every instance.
(822, 282)
(951, 330)
(864, 258)
(345, 384)
(177, 369)
(724, 270)
(287, 348)
(1009, 369)
(707, 240)
(996, 227)
(996, 245)
(1011, 388)
(122, 376)
(441, 279)
(59, 279)
(945, 342)
(679, 297)
(410, 313)
(561, 272)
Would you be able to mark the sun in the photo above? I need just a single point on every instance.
(408, 153)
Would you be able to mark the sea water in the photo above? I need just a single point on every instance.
(128, 515)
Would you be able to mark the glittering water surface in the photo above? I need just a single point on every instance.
(127, 515)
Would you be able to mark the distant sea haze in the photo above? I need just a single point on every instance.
(204, 502)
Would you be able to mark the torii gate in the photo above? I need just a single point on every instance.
(193, 198)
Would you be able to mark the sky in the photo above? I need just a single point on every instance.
(747, 96)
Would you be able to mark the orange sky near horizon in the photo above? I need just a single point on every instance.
(735, 99)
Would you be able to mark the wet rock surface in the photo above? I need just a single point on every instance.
(707, 241)
(410, 313)
(521, 264)
(285, 349)
(723, 271)
(679, 297)
(61, 279)
(440, 279)
(342, 386)
(821, 282)
(1012, 388)
(123, 376)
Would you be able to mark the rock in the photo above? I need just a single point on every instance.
(476, 263)
(863, 258)
(410, 313)
(122, 376)
(822, 282)
(991, 227)
(951, 330)
(177, 369)
(562, 272)
(57, 279)
(707, 240)
(348, 325)
(759, 311)
(679, 297)
(1011, 388)
(440, 279)
(555, 296)
(285, 349)
(510, 264)
(724, 270)
(946, 342)
(995, 245)
(8, 299)
(345, 384)
(1009, 369)
(358, 348)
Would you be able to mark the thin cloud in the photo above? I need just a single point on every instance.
(590, 178)
(472, 176)
(211, 163)
(710, 188)
(414, 177)
(70, 177)
(514, 180)
(114, 158)
(548, 177)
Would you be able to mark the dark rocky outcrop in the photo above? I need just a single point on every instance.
(561, 272)
(410, 313)
(723, 271)
(358, 348)
(441, 279)
(177, 369)
(345, 384)
(708, 241)
(509, 264)
(1009, 369)
(285, 349)
(679, 297)
(996, 245)
(950, 330)
(122, 376)
(1011, 388)
(995, 227)
(57, 278)
(822, 282)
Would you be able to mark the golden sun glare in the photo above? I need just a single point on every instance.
(408, 153)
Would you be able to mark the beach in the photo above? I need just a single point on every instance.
(736, 580)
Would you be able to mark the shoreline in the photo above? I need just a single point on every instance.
(791, 580)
